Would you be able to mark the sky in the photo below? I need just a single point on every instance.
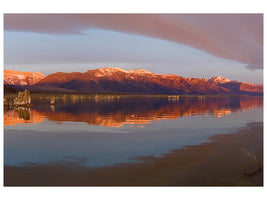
(189, 45)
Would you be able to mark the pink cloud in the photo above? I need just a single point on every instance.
(231, 36)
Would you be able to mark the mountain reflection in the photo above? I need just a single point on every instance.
(131, 111)
(22, 115)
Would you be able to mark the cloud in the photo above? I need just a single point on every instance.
(231, 36)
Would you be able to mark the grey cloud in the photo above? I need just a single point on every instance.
(231, 36)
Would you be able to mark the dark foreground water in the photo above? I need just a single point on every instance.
(105, 131)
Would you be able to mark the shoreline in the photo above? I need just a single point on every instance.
(123, 95)
(227, 160)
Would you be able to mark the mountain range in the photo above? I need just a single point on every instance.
(116, 80)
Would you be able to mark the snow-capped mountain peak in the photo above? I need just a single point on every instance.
(218, 79)
(13, 77)
(140, 71)
(102, 72)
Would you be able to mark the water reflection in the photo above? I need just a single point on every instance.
(23, 112)
(154, 125)
(22, 115)
(113, 111)
(53, 108)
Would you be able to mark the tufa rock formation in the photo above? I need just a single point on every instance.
(23, 99)
(52, 100)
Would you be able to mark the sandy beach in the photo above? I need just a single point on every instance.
(227, 160)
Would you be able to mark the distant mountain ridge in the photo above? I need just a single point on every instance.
(116, 80)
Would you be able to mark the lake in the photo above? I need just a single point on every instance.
(99, 131)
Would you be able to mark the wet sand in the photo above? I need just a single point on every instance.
(228, 160)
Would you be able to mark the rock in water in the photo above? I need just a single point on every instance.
(23, 99)
(52, 100)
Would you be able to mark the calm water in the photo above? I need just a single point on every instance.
(105, 131)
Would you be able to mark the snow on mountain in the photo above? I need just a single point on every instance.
(13, 77)
(102, 72)
(218, 79)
